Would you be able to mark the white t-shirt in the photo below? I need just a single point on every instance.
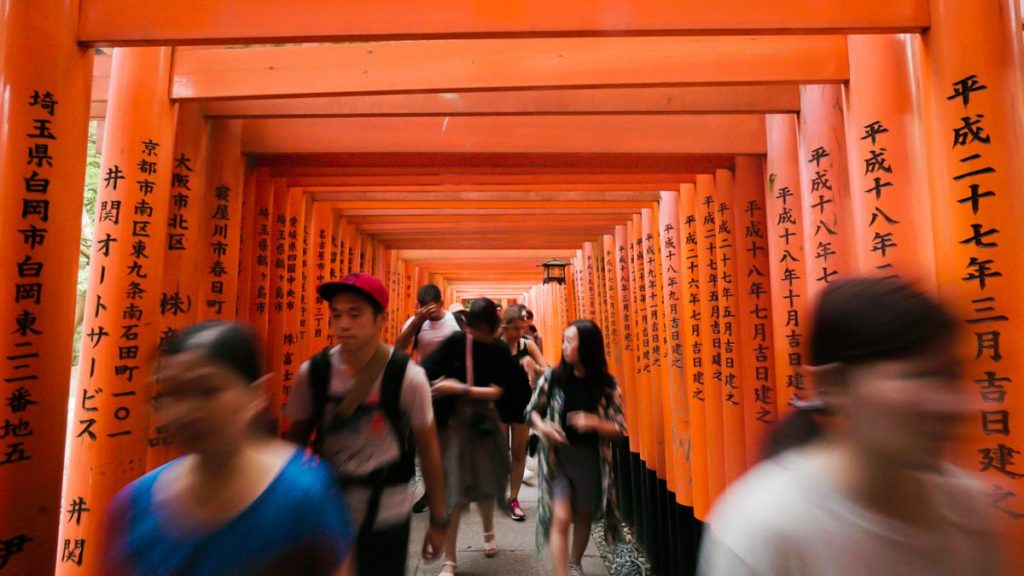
(368, 443)
(785, 517)
(433, 333)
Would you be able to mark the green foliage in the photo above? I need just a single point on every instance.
(91, 189)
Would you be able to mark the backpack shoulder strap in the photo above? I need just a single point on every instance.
(391, 389)
(319, 383)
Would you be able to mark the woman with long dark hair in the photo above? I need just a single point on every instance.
(577, 410)
(856, 482)
(239, 501)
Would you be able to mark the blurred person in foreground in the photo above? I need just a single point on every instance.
(367, 408)
(240, 501)
(577, 410)
(868, 493)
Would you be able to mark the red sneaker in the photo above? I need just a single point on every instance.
(517, 512)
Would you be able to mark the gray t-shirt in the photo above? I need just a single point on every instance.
(368, 443)
(785, 517)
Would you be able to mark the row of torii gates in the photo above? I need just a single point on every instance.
(707, 167)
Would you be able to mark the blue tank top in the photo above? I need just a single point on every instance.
(298, 525)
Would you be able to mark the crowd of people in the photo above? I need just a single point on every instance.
(851, 484)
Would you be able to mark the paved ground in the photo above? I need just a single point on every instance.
(516, 550)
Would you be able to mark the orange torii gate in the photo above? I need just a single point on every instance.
(832, 139)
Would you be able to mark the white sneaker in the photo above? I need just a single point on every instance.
(529, 478)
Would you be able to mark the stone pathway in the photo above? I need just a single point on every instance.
(516, 551)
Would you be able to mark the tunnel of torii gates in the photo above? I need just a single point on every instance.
(707, 168)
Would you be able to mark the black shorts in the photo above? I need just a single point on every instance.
(577, 476)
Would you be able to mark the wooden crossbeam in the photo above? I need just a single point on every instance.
(167, 22)
(408, 198)
(700, 134)
(478, 167)
(469, 65)
(585, 101)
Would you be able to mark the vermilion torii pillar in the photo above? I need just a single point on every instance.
(108, 434)
(890, 195)
(728, 340)
(785, 218)
(45, 80)
(677, 428)
(711, 330)
(827, 229)
(693, 340)
(222, 222)
(261, 255)
(973, 86)
(627, 345)
(755, 338)
(183, 272)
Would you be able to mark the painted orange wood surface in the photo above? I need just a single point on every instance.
(266, 21)
(976, 136)
(677, 432)
(890, 194)
(729, 369)
(183, 273)
(247, 246)
(262, 254)
(39, 267)
(655, 347)
(756, 338)
(791, 304)
(828, 229)
(590, 101)
(696, 356)
(466, 65)
(108, 439)
(711, 332)
(723, 134)
(627, 303)
(222, 222)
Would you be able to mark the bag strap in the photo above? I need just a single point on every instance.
(391, 392)
(320, 382)
(416, 337)
(403, 470)
(360, 390)
(469, 359)
(364, 383)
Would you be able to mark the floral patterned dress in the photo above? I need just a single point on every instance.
(549, 400)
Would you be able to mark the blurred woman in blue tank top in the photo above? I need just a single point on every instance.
(240, 501)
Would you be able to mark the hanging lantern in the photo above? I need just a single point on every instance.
(554, 271)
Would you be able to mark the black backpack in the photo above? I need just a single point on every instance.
(397, 473)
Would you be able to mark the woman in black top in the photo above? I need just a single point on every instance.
(474, 453)
(513, 405)
(577, 410)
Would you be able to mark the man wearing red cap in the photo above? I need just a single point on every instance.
(365, 406)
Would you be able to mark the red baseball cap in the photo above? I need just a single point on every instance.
(358, 283)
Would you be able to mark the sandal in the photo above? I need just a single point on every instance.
(490, 545)
(448, 568)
